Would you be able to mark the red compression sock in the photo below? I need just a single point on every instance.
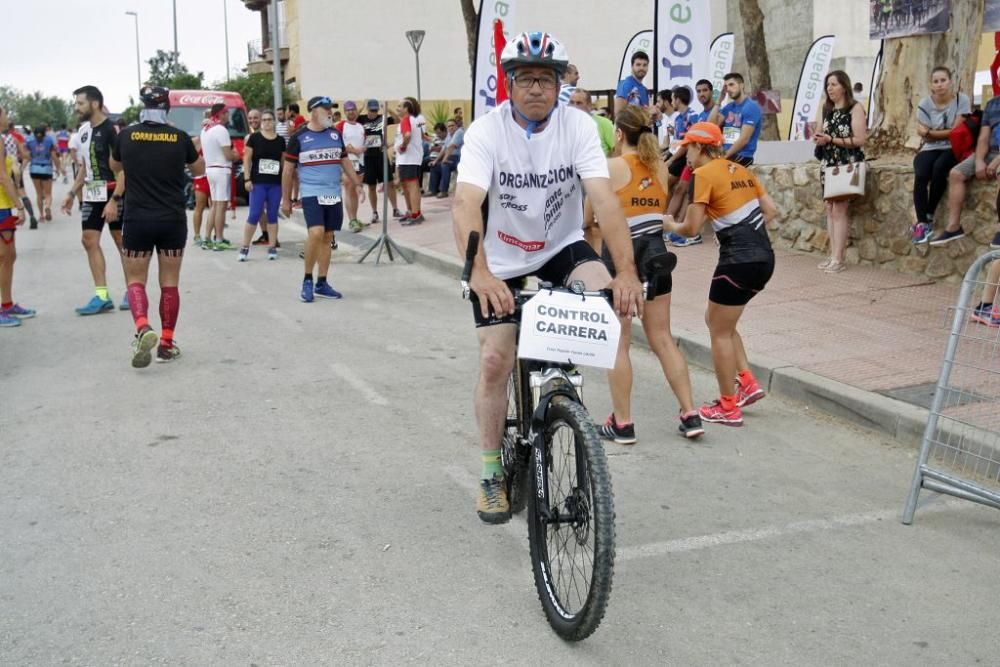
(170, 305)
(139, 305)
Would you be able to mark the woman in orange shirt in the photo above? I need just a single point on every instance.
(736, 203)
(638, 177)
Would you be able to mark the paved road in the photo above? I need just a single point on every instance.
(298, 490)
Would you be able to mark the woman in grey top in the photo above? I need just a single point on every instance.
(937, 114)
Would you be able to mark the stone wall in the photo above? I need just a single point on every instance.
(879, 221)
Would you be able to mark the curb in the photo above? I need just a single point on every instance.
(891, 417)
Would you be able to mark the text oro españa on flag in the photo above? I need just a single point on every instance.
(569, 328)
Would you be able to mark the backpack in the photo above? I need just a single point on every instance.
(963, 138)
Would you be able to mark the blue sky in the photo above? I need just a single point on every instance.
(62, 44)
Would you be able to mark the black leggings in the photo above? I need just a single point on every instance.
(930, 180)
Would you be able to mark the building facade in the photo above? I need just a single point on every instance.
(359, 50)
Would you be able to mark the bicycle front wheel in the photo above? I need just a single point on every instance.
(573, 552)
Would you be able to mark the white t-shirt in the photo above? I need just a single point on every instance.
(353, 135)
(414, 153)
(533, 189)
(74, 140)
(213, 139)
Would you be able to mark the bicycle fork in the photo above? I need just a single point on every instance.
(546, 384)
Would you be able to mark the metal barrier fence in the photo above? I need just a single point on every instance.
(960, 454)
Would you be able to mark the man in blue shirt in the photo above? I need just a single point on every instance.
(983, 164)
(630, 89)
(705, 92)
(740, 120)
(317, 152)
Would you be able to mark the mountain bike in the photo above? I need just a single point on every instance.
(555, 466)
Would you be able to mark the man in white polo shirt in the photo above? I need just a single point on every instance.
(217, 147)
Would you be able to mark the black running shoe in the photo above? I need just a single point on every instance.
(623, 434)
(262, 240)
(691, 425)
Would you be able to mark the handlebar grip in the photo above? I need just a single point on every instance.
(470, 254)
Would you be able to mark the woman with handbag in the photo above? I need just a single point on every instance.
(937, 115)
(843, 132)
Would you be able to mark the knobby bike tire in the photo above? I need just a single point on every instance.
(511, 450)
(589, 598)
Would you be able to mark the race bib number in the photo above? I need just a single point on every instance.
(95, 191)
(567, 328)
(730, 135)
(373, 141)
(269, 167)
(328, 200)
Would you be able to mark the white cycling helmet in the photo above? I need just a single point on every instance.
(537, 49)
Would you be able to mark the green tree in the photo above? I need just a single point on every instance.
(166, 70)
(35, 108)
(257, 90)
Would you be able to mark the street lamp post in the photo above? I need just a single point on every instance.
(138, 66)
(416, 38)
(275, 55)
(225, 18)
(177, 54)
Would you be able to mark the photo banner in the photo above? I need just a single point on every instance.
(682, 39)
(809, 94)
(485, 83)
(720, 60)
(891, 20)
(641, 41)
(991, 18)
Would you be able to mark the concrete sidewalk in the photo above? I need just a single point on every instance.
(847, 343)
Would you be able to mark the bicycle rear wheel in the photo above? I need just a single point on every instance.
(573, 559)
(512, 449)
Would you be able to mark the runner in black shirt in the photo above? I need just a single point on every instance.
(151, 155)
(262, 172)
(374, 156)
(94, 185)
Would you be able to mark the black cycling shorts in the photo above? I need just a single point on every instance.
(139, 236)
(643, 246)
(556, 271)
(93, 216)
(41, 177)
(736, 284)
(373, 170)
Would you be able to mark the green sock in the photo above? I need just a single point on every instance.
(102, 293)
(491, 464)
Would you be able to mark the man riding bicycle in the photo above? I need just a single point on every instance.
(527, 160)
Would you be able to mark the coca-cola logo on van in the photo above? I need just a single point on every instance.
(201, 100)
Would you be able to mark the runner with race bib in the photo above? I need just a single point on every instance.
(94, 184)
(374, 124)
(317, 153)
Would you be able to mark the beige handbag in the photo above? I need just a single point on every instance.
(844, 182)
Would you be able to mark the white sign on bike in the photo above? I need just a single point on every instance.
(567, 328)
